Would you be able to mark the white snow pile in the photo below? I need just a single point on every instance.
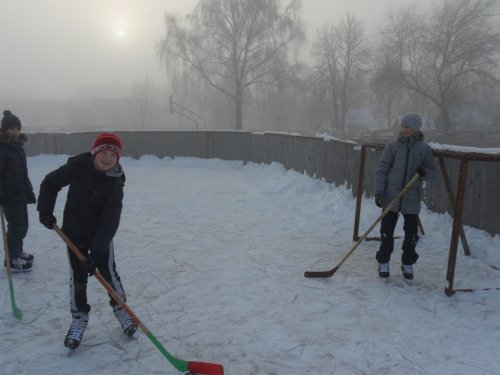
(212, 255)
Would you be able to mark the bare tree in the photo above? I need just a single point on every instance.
(442, 55)
(387, 96)
(232, 44)
(339, 53)
(142, 92)
(283, 106)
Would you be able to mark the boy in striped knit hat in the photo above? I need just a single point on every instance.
(91, 218)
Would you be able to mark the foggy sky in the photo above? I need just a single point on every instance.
(50, 48)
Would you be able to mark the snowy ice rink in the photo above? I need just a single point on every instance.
(212, 255)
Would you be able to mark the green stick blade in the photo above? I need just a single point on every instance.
(179, 364)
(15, 310)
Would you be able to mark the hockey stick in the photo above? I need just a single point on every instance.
(179, 364)
(15, 310)
(329, 273)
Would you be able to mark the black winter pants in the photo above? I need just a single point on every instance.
(16, 215)
(410, 228)
(106, 266)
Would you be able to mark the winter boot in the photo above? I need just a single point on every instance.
(407, 271)
(27, 256)
(76, 330)
(19, 265)
(128, 326)
(383, 270)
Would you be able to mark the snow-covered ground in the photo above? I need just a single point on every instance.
(212, 255)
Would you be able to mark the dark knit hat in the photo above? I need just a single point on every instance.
(10, 120)
(107, 142)
(412, 120)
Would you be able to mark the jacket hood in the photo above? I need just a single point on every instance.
(417, 137)
(80, 158)
(4, 137)
(116, 171)
(87, 159)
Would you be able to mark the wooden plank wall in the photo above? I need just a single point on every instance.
(336, 162)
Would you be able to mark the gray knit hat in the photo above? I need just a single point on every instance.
(9, 120)
(412, 120)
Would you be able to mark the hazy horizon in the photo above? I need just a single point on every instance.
(54, 49)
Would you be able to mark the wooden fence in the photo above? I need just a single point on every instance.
(334, 161)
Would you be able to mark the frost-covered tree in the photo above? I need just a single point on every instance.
(340, 52)
(142, 92)
(443, 54)
(232, 44)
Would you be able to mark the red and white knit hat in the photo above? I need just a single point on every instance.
(107, 142)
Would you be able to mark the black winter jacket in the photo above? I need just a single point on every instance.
(15, 185)
(94, 202)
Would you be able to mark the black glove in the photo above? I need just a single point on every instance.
(89, 266)
(93, 260)
(379, 200)
(31, 197)
(421, 171)
(48, 219)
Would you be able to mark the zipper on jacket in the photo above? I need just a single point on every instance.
(406, 171)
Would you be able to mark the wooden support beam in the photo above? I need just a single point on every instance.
(451, 197)
(457, 223)
(359, 192)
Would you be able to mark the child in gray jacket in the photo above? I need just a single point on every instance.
(400, 160)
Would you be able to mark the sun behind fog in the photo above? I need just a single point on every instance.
(120, 35)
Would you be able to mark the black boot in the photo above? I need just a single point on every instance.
(76, 330)
(383, 270)
(128, 326)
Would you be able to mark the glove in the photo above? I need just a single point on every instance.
(48, 219)
(379, 200)
(421, 171)
(89, 266)
(93, 259)
(31, 198)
